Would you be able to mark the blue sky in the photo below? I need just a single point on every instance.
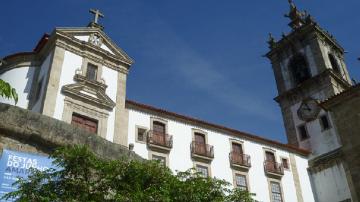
(198, 58)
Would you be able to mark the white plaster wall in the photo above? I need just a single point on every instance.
(71, 63)
(83, 38)
(21, 79)
(307, 192)
(43, 74)
(320, 141)
(110, 76)
(331, 185)
(180, 157)
(103, 46)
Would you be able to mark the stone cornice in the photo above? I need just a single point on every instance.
(90, 51)
(87, 30)
(311, 82)
(302, 33)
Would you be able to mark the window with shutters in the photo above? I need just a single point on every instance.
(84, 122)
(91, 71)
(276, 195)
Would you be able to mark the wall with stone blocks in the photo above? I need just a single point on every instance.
(27, 131)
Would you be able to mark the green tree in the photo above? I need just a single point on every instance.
(86, 177)
(7, 91)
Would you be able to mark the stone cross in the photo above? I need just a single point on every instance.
(97, 14)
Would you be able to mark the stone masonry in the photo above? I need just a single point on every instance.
(26, 131)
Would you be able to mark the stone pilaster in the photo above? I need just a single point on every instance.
(296, 178)
(52, 87)
(121, 113)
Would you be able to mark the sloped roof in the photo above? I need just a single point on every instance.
(230, 131)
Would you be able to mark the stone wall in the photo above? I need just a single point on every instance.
(26, 131)
(345, 109)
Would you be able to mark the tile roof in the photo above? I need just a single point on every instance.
(226, 130)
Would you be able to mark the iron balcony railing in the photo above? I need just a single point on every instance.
(274, 167)
(160, 139)
(202, 149)
(241, 159)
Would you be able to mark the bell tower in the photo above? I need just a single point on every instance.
(309, 67)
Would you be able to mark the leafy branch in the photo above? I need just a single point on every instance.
(7, 91)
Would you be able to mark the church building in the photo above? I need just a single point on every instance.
(78, 75)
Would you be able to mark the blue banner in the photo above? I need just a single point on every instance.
(14, 164)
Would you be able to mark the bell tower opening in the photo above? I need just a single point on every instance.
(308, 64)
(299, 69)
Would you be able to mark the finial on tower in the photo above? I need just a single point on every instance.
(297, 17)
(271, 41)
(97, 15)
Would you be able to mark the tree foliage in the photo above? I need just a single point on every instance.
(85, 177)
(7, 91)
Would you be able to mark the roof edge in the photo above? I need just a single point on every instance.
(231, 131)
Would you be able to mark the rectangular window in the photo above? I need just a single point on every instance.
(303, 132)
(240, 181)
(324, 122)
(140, 134)
(203, 170)
(275, 192)
(91, 71)
(38, 89)
(285, 163)
(84, 122)
(161, 159)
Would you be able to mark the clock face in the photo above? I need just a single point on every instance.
(308, 110)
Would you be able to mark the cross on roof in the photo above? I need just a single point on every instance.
(97, 14)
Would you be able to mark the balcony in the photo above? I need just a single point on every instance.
(202, 151)
(159, 141)
(239, 160)
(273, 169)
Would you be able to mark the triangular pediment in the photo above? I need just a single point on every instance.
(94, 96)
(97, 38)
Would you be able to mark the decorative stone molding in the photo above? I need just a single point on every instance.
(88, 91)
(75, 106)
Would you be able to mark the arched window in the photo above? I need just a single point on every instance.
(334, 63)
(299, 69)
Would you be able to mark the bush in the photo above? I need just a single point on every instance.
(85, 177)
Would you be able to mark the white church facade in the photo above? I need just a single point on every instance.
(78, 75)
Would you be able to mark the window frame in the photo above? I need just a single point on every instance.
(96, 70)
(270, 182)
(322, 123)
(291, 67)
(243, 173)
(334, 63)
(86, 118)
(137, 134)
(38, 89)
(282, 158)
(300, 133)
(158, 157)
(198, 164)
(156, 153)
(156, 119)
